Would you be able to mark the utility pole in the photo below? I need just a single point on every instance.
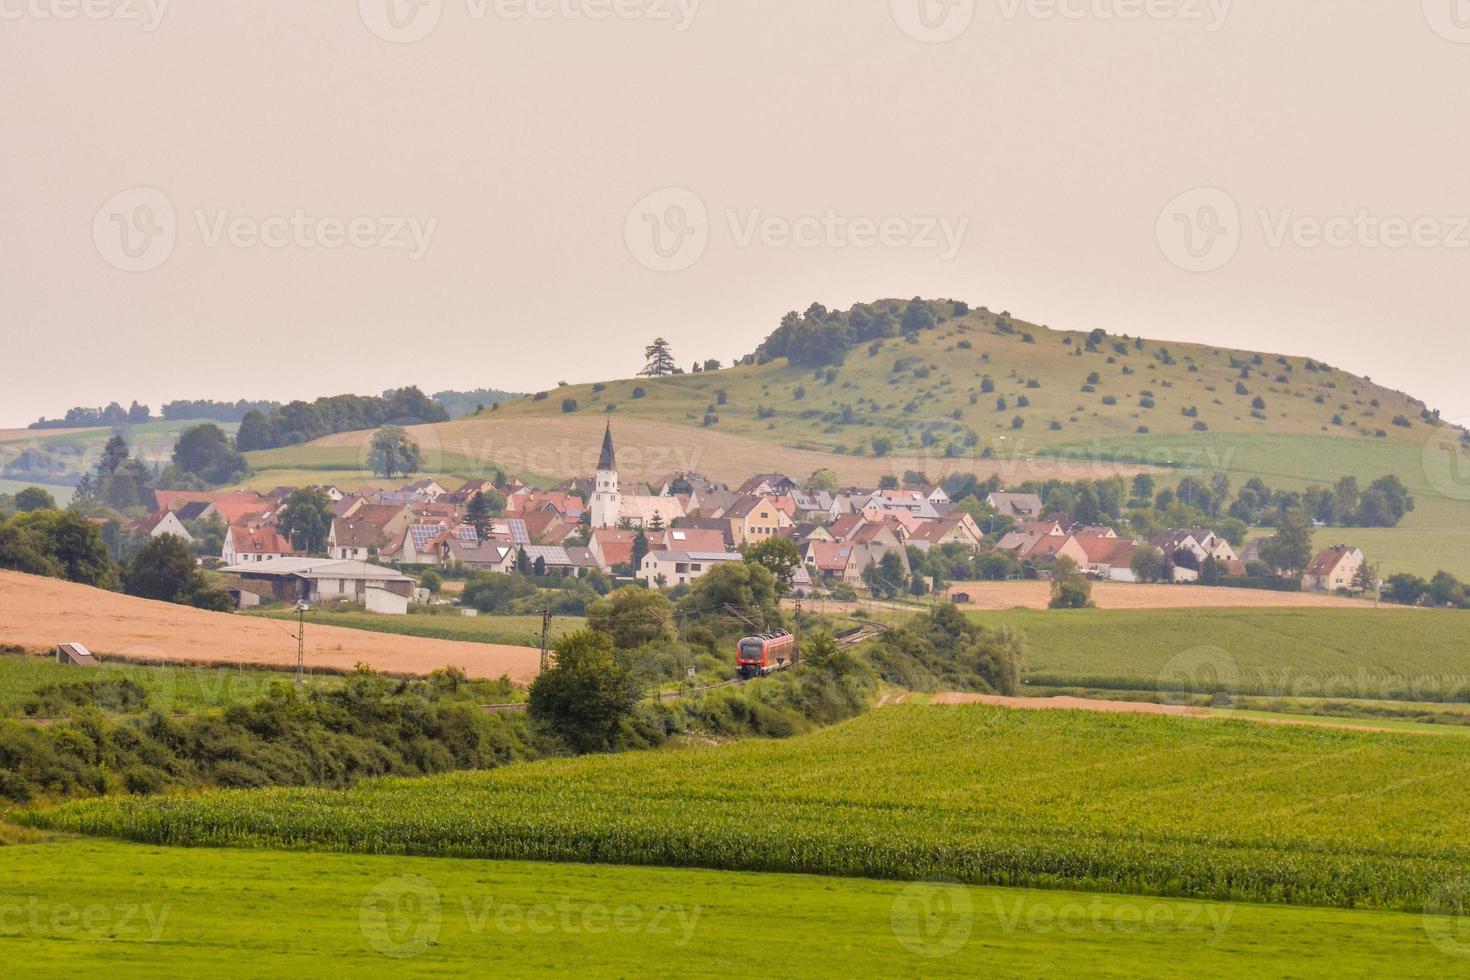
(300, 644)
(546, 640)
(796, 635)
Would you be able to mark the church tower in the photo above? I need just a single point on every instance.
(607, 502)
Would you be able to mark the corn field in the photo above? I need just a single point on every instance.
(1224, 810)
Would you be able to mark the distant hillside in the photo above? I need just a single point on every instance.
(895, 377)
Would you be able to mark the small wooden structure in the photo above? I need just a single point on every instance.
(75, 655)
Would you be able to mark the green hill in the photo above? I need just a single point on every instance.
(841, 388)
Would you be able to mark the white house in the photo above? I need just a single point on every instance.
(253, 545)
(162, 522)
(671, 568)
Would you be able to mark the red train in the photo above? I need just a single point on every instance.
(757, 656)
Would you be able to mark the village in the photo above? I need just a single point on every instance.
(669, 533)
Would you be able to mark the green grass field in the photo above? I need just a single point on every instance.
(1221, 810)
(80, 906)
(170, 689)
(510, 630)
(1395, 654)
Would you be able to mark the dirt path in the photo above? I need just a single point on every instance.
(38, 613)
(1150, 708)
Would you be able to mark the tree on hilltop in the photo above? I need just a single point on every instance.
(660, 357)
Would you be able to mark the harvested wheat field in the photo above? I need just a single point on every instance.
(38, 613)
(1121, 595)
(651, 450)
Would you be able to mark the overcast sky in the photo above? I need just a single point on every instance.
(279, 199)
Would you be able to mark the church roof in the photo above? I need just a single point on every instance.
(608, 460)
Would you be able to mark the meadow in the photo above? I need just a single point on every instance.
(1196, 808)
(127, 909)
(1384, 654)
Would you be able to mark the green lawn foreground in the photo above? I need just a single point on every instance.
(74, 906)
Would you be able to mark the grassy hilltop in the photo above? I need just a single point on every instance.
(932, 380)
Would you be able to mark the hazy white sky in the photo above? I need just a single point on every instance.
(280, 199)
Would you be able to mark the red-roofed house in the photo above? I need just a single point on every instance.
(1333, 569)
(254, 544)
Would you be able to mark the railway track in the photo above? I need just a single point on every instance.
(866, 630)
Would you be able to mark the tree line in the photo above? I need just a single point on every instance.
(300, 422)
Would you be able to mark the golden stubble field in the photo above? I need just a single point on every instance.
(649, 449)
(38, 613)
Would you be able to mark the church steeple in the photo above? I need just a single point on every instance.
(609, 460)
(607, 501)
